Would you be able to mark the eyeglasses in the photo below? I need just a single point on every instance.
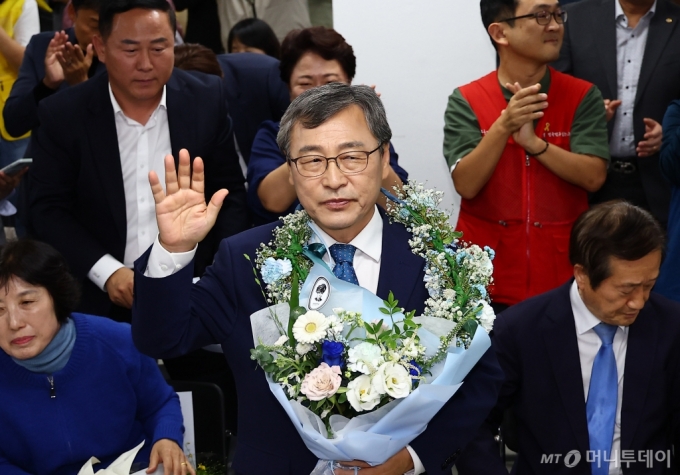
(544, 17)
(349, 163)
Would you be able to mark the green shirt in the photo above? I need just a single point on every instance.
(588, 132)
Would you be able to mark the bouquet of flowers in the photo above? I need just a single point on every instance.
(359, 376)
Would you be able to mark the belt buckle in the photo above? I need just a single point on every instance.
(623, 167)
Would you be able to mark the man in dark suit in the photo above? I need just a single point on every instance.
(631, 52)
(85, 196)
(42, 73)
(592, 368)
(255, 93)
(170, 316)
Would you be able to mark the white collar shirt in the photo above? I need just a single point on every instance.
(588, 345)
(369, 249)
(142, 149)
(630, 51)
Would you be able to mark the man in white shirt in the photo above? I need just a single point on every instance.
(172, 317)
(89, 195)
(592, 368)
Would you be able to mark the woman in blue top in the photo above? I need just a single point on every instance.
(309, 58)
(74, 386)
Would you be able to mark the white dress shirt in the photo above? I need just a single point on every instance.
(588, 345)
(142, 148)
(630, 50)
(366, 266)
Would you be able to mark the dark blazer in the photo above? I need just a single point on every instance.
(537, 347)
(76, 191)
(255, 93)
(172, 317)
(589, 52)
(21, 109)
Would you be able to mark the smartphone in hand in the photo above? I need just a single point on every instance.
(15, 167)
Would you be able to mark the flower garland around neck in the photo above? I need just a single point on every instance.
(457, 273)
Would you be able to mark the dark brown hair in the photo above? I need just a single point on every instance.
(256, 34)
(613, 229)
(39, 264)
(195, 57)
(327, 43)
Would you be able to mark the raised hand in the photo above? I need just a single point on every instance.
(74, 63)
(652, 139)
(183, 216)
(54, 73)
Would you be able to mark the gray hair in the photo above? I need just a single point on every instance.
(315, 106)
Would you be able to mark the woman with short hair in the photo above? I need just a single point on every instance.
(74, 386)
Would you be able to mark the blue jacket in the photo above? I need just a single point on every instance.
(265, 157)
(108, 398)
(254, 92)
(172, 317)
(668, 283)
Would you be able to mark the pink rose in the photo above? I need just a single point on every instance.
(322, 382)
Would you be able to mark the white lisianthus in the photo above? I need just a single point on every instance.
(364, 358)
(486, 315)
(392, 379)
(303, 348)
(361, 395)
(282, 339)
(310, 327)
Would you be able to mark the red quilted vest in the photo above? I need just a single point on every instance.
(525, 212)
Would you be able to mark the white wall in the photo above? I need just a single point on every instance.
(417, 52)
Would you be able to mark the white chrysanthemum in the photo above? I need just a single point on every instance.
(392, 379)
(310, 327)
(486, 315)
(361, 395)
(282, 339)
(364, 358)
(303, 348)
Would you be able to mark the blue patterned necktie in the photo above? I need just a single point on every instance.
(602, 399)
(343, 255)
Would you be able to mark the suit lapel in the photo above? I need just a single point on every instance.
(176, 100)
(659, 33)
(401, 271)
(104, 152)
(604, 23)
(561, 346)
(640, 356)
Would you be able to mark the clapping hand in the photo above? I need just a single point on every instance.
(525, 106)
(75, 63)
(652, 139)
(183, 216)
(610, 108)
(54, 74)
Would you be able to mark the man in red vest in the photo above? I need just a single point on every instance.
(525, 144)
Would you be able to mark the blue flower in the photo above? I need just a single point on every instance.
(480, 288)
(275, 269)
(414, 371)
(461, 256)
(331, 353)
(490, 251)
